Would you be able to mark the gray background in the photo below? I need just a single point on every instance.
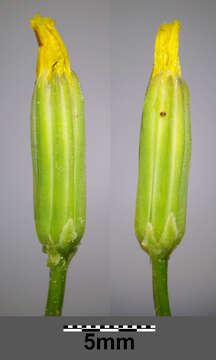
(110, 273)
(197, 338)
(83, 26)
(192, 267)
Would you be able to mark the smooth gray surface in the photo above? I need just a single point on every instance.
(192, 267)
(83, 26)
(175, 338)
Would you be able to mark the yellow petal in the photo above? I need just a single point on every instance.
(52, 53)
(166, 49)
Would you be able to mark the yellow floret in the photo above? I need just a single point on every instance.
(52, 53)
(166, 49)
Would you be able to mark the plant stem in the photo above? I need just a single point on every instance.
(160, 290)
(56, 290)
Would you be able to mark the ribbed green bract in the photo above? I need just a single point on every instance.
(164, 160)
(58, 154)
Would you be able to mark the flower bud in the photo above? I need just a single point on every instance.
(165, 150)
(58, 147)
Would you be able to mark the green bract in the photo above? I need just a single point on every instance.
(58, 153)
(164, 159)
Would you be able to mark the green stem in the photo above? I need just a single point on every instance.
(56, 290)
(160, 290)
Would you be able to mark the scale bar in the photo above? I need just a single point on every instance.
(109, 328)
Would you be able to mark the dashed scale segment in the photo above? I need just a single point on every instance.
(109, 328)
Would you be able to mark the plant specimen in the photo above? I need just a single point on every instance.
(164, 160)
(58, 156)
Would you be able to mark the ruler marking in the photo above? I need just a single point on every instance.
(109, 328)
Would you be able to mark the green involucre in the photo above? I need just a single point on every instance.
(164, 160)
(58, 154)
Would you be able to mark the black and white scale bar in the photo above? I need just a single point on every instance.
(109, 328)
